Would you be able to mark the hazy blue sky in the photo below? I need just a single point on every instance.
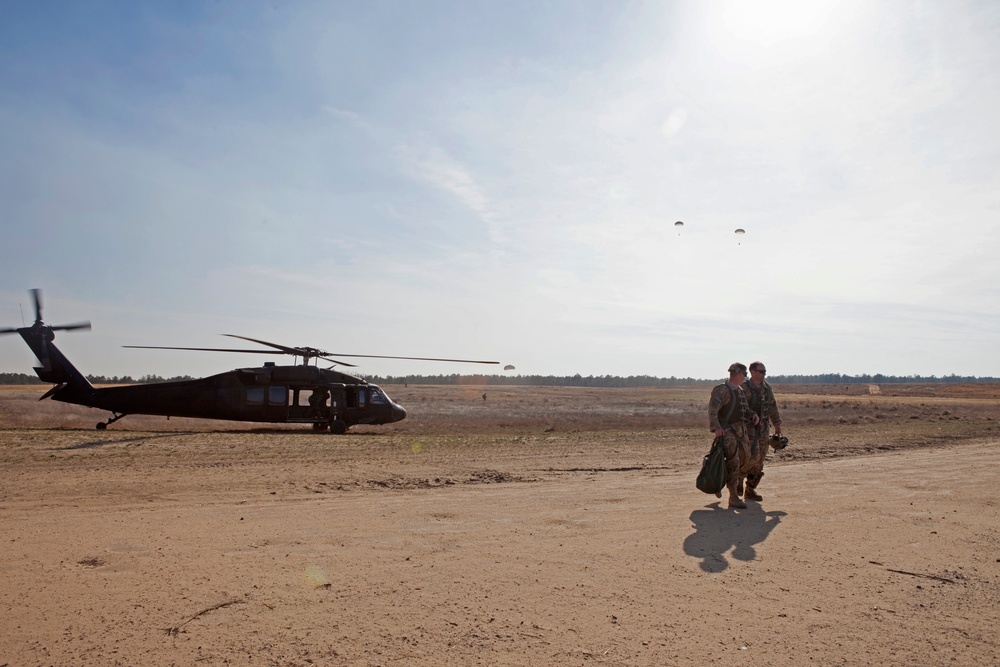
(500, 180)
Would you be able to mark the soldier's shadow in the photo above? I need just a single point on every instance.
(716, 531)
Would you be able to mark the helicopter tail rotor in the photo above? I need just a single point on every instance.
(40, 327)
(36, 298)
(54, 366)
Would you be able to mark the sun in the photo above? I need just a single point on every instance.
(770, 21)
(779, 29)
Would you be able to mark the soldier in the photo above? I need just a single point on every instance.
(761, 399)
(729, 416)
(317, 402)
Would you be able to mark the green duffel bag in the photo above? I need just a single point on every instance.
(712, 478)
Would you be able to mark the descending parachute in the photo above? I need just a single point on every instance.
(740, 231)
(508, 367)
(678, 224)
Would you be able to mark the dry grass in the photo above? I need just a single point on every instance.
(548, 426)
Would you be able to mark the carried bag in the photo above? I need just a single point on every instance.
(712, 478)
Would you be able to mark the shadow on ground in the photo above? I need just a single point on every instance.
(119, 441)
(718, 530)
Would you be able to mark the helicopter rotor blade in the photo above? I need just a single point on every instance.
(226, 349)
(201, 349)
(305, 352)
(322, 354)
(71, 327)
(36, 302)
(383, 356)
(337, 362)
(36, 298)
(283, 348)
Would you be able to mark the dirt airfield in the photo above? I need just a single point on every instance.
(540, 526)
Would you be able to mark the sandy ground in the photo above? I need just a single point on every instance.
(555, 547)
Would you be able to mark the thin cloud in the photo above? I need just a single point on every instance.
(506, 182)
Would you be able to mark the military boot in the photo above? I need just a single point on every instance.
(734, 498)
(753, 479)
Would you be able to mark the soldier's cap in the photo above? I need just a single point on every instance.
(738, 368)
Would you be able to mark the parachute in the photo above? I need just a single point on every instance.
(740, 231)
(508, 367)
(678, 224)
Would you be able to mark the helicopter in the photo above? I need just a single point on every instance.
(302, 393)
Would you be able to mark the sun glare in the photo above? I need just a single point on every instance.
(770, 21)
(778, 29)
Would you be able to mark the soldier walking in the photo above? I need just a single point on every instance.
(760, 397)
(730, 417)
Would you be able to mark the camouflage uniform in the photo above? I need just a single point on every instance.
(736, 430)
(761, 400)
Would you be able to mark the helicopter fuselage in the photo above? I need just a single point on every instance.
(271, 393)
(305, 393)
(274, 394)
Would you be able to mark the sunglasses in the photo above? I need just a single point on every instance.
(758, 370)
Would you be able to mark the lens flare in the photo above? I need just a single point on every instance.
(315, 576)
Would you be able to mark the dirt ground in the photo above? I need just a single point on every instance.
(540, 526)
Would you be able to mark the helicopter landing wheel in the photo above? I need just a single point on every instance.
(111, 420)
(338, 427)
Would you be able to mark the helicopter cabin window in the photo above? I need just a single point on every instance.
(313, 398)
(255, 396)
(377, 397)
(277, 395)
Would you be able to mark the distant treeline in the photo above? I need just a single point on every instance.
(24, 378)
(562, 380)
(542, 380)
(651, 381)
(878, 378)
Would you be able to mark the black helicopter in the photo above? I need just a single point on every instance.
(302, 393)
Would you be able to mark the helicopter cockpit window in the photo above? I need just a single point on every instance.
(377, 397)
(277, 395)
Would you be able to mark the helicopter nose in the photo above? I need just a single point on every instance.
(398, 413)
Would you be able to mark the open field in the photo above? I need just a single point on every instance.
(540, 526)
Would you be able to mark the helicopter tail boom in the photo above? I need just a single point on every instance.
(53, 366)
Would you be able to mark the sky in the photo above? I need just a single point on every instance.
(501, 181)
